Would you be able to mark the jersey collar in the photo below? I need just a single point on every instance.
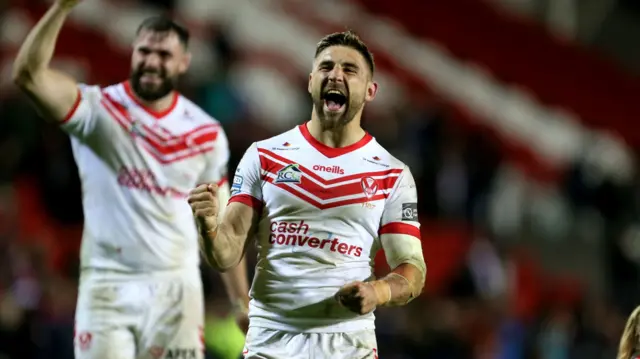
(332, 152)
(157, 114)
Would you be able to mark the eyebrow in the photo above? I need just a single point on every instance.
(158, 51)
(345, 64)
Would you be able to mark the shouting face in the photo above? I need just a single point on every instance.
(158, 60)
(340, 85)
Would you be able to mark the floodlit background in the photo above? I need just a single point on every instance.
(520, 120)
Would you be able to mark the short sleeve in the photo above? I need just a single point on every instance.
(81, 121)
(217, 163)
(400, 215)
(246, 186)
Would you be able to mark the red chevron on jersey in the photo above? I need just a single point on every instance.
(335, 181)
(164, 147)
(323, 194)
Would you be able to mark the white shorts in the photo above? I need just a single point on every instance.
(262, 343)
(129, 317)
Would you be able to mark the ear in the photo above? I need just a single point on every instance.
(185, 62)
(372, 90)
(309, 83)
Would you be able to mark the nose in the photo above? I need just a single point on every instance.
(336, 74)
(152, 61)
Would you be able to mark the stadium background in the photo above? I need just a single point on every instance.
(518, 118)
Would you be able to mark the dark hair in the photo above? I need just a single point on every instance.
(164, 24)
(349, 39)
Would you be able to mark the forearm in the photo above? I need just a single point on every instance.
(237, 286)
(220, 250)
(37, 50)
(400, 286)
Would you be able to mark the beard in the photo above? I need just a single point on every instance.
(152, 92)
(331, 119)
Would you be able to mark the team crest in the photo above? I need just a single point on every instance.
(136, 128)
(369, 186)
(289, 174)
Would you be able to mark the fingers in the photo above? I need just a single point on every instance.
(349, 294)
(205, 210)
(203, 200)
(356, 297)
(202, 197)
(204, 188)
(204, 193)
(350, 288)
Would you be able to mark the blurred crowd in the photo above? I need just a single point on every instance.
(517, 269)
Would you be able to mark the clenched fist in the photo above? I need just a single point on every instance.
(358, 297)
(204, 204)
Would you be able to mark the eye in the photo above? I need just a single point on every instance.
(144, 51)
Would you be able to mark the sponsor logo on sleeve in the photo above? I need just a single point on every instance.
(236, 186)
(289, 174)
(410, 211)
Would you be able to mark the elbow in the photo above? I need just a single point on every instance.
(21, 75)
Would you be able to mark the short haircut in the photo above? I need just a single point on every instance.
(348, 39)
(164, 24)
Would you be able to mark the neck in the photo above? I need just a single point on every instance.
(336, 136)
(160, 105)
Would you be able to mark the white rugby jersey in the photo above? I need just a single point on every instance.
(137, 167)
(322, 212)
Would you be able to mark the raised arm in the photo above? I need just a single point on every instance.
(235, 280)
(54, 93)
(222, 242)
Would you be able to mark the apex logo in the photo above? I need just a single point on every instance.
(289, 174)
(181, 354)
(329, 169)
(286, 144)
(376, 158)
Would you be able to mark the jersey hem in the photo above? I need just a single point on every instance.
(344, 327)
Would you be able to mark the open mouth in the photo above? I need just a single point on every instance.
(334, 101)
(150, 77)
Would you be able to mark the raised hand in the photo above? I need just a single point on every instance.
(204, 204)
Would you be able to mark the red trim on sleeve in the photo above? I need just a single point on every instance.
(400, 228)
(248, 200)
(73, 109)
